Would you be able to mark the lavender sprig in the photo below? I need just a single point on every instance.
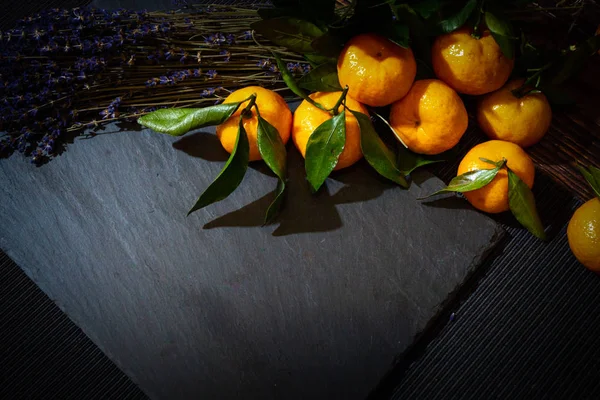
(65, 70)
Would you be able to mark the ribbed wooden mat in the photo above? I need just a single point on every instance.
(574, 134)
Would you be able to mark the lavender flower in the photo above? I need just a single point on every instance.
(169, 54)
(116, 102)
(216, 39)
(62, 70)
(298, 68)
(227, 55)
(208, 92)
(37, 157)
(164, 80)
(179, 3)
(264, 63)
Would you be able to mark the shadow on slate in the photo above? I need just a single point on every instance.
(316, 305)
(360, 184)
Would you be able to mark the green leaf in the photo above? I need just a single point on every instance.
(397, 33)
(458, 19)
(275, 206)
(288, 78)
(391, 128)
(328, 45)
(498, 24)
(232, 174)
(178, 121)
(592, 176)
(293, 33)
(469, 181)
(408, 161)
(272, 151)
(426, 8)
(502, 32)
(376, 152)
(506, 45)
(498, 164)
(271, 147)
(522, 205)
(418, 34)
(316, 60)
(292, 84)
(323, 149)
(324, 78)
(556, 95)
(574, 61)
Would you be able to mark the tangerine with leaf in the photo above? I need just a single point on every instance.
(272, 107)
(493, 197)
(308, 117)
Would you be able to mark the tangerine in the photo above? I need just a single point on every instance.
(377, 71)
(583, 233)
(307, 118)
(271, 106)
(493, 197)
(470, 65)
(431, 118)
(523, 121)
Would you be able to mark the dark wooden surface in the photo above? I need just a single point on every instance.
(214, 305)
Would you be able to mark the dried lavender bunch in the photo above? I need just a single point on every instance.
(64, 70)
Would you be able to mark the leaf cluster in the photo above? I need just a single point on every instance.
(318, 30)
(177, 122)
(520, 198)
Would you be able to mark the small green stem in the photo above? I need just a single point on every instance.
(523, 89)
(498, 164)
(334, 111)
(318, 105)
(476, 33)
(247, 112)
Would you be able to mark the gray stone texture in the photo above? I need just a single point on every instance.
(214, 305)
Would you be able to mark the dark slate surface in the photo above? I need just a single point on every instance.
(44, 354)
(214, 305)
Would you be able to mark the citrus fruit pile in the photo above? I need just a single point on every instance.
(332, 130)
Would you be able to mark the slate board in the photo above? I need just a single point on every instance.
(215, 305)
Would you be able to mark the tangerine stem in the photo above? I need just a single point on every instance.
(247, 113)
(522, 90)
(318, 105)
(334, 109)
